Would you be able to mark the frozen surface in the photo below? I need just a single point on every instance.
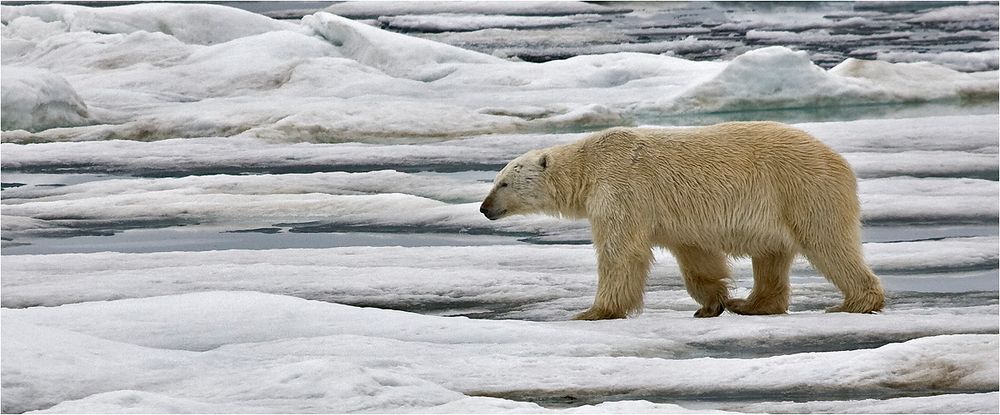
(208, 210)
(200, 24)
(304, 355)
(393, 199)
(829, 32)
(911, 170)
(406, 277)
(328, 78)
(470, 22)
(36, 99)
(485, 8)
(966, 62)
(931, 145)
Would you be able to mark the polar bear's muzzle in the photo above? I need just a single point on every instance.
(492, 214)
(490, 211)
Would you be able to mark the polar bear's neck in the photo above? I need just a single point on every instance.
(569, 182)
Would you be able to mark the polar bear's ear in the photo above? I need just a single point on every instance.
(543, 161)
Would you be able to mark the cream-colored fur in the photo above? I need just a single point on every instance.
(758, 189)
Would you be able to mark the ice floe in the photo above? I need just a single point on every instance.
(296, 355)
(153, 72)
(540, 284)
(37, 99)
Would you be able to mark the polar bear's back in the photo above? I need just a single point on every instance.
(733, 146)
(728, 155)
(737, 184)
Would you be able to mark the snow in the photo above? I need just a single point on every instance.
(547, 282)
(162, 71)
(968, 148)
(817, 35)
(915, 256)
(804, 19)
(302, 355)
(951, 403)
(394, 54)
(966, 62)
(575, 42)
(927, 198)
(346, 199)
(200, 24)
(776, 77)
(931, 166)
(830, 32)
(38, 99)
(903, 79)
(923, 163)
(948, 14)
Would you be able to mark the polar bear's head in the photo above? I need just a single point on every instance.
(519, 188)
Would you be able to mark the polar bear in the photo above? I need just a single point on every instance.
(758, 189)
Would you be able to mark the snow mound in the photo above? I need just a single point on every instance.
(98, 375)
(778, 77)
(36, 99)
(918, 81)
(395, 54)
(773, 77)
(31, 28)
(258, 62)
(201, 24)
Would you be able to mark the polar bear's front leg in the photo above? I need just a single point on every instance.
(624, 256)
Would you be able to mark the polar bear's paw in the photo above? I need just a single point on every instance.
(711, 310)
(746, 307)
(598, 314)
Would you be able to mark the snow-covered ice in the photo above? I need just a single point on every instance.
(208, 210)
(197, 351)
(331, 78)
(389, 198)
(470, 22)
(37, 99)
(830, 32)
(412, 276)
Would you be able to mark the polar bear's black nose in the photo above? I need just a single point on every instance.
(491, 215)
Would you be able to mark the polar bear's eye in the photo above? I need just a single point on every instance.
(503, 184)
